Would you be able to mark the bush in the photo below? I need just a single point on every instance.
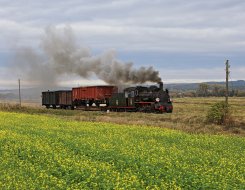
(220, 114)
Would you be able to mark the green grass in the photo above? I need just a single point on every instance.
(46, 152)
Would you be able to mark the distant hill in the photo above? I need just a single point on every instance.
(34, 94)
(239, 84)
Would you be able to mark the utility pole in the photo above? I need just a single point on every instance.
(227, 78)
(19, 93)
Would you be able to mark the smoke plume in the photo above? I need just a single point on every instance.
(60, 54)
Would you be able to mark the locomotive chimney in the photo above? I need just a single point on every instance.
(161, 86)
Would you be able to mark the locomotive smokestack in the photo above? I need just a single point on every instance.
(161, 86)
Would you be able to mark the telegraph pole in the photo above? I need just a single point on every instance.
(19, 93)
(227, 78)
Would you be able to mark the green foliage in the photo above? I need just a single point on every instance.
(219, 113)
(43, 152)
(203, 89)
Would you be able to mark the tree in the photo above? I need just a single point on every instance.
(217, 90)
(203, 89)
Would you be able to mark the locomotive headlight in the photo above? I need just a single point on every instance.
(157, 99)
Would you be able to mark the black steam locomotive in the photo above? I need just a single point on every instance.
(132, 99)
(142, 99)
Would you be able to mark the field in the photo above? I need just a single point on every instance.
(189, 115)
(54, 149)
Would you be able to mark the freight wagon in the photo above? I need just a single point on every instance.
(49, 99)
(92, 95)
(54, 99)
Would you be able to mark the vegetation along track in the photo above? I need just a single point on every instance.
(189, 116)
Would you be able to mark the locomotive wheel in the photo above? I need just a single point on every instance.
(168, 110)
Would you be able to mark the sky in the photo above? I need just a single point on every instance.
(186, 41)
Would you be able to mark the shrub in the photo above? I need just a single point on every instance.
(219, 113)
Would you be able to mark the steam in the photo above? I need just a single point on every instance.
(61, 55)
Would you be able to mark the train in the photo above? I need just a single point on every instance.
(151, 99)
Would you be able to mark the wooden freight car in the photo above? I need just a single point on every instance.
(65, 99)
(92, 95)
(49, 99)
(54, 99)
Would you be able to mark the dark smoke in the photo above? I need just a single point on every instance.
(61, 55)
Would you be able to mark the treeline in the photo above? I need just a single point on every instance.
(8, 96)
(206, 90)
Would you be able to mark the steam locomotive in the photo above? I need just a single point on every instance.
(151, 99)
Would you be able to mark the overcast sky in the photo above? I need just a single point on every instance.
(187, 41)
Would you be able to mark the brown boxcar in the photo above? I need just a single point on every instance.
(65, 98)
(90, 95)
(54, 99)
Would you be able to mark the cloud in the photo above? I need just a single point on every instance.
(171, 27)
(155, 25)
(192, 26)
(202, 75)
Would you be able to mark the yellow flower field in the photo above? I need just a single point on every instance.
(43, 152)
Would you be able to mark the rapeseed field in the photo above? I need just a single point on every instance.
(44, 152)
